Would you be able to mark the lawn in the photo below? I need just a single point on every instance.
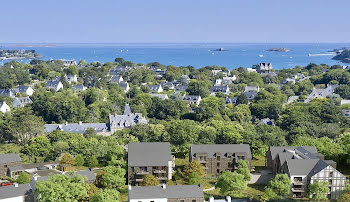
(253, 191)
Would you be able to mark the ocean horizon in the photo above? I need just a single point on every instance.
(184, 54)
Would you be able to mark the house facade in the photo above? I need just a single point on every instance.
(164, 193)
(21, 101)
(304, 165)
(4, 107)
(149, 158)
(216, 158)
(192, 99)
(8, 162)
(56, 85)
(24, 89)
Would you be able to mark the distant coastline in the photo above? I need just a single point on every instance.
(33, 45)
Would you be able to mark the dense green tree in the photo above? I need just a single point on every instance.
(193, 167)
(319, 190)
(210, 108)
(105, 195)
(198, 88)
(182, 132)
(67, 159)
(194, 178)
(38, 148)
(149, 180)
(343, 91)
(280, 184)
(92, 161)
(229, 182)
(62, 188)
(79, 160)
(113, 177)
(243, 169)
(242, 99)
(24, 178)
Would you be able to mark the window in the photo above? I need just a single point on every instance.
(182, 200)
(331, 174)
(152, 201)
(5, 166)
(330, 182)
(218, 158)
(193, 200)
(218, 164)
(218, 170)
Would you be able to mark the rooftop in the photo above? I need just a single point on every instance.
(149, 154)
(212, 149)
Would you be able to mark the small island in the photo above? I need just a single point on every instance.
(18, 54)
(278, 49)
(344, 56)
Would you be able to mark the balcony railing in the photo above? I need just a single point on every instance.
(159, 171)
(298, 190)
(141, 172)
(297, 182)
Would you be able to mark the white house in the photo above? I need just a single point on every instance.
(21, 101)
(192, 99)
(24, 89)
(160, 96)
(56, 85)
(4, 107)
(71, 78)
(155, 88)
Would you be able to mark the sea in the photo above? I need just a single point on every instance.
(195, 54)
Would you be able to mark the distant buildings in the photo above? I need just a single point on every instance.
(152, 158)
(156, 88)
(55, 85)
(304, 166)
(67, 63)
(9, 162)
(165, 193)
(78, 88)
(320, 93)
(216, 158)
(263, 67)
(7, 92)
(116, 122)
(23, 90)
(192, 99)
(231, 100)
(160, 96)
(215, 89)
(71, 78)
(4, 107)
(21, 101)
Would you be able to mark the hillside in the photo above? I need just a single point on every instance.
(343, 57)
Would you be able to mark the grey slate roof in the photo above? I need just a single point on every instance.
(149, 154)
(8, 158)
(172, 191)
(191, 98)
(6, 92)
(52, 84)
(87, 173)
(21, 101)
(181, 88)
(76, 127)
(211, 149)
(154, 87)
(251, 94)
(12, 191)
(305, 166)
(275, 150)
(16, 168)
(159, 95)
(231, 100)
(223, 89)
(21, 89)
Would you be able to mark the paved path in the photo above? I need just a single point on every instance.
(211, 188)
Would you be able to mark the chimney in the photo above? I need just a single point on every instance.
(164, 186)
(80, 122)
(228, 198)
(35, 177)
(15, 184)
(211, 199)
(129, 187)
(66, 123)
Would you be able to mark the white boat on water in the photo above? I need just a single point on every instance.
(261, 56)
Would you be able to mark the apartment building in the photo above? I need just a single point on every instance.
(150, 158)
(304, 165)
(216, 158)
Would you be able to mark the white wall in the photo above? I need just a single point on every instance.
(13, 199)
(170, 170)
(149, 200)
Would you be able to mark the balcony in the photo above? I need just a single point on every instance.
(141, 172)
(298, 190)
(297, 182)
(159, 171)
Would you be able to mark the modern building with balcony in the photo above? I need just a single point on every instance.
(304, 166)
(149, 158)
(216, 158)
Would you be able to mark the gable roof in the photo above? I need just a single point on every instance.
(305, 167)
(149, 154)
(76, 127)
(219, 89)
(212, 149)
(52, 83)
(191, 97)
(8, 158)
(171, 191)
(12, 191)
(275, 150)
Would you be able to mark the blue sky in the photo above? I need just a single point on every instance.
(134, 21)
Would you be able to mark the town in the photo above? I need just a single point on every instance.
(121, 131)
